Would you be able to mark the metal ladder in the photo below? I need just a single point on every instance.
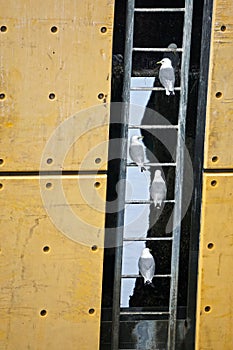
(179, 165)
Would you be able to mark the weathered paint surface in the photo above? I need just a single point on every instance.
(55, 74)
(219, 128)
(215, 283)
(41, 269)
(55, 62)
(214, 326)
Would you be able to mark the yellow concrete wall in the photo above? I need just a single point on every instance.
(219, 123)
(73, 63)
(42, 269)
(214, 326)
(215, 281)
(51, 226)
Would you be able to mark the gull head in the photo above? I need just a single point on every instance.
(136, 138)
(165, 63)
(157, 173)
(146, 252)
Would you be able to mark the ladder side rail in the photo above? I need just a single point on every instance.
(122, 175)
(179, 175)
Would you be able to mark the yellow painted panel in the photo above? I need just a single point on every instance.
(219, 128)
(42, 269)
(214, 326)
(53, 47)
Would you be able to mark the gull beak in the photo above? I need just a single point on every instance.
(159, 62)
(141, 137)
(150, 249)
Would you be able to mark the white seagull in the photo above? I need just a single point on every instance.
(158, 189)
(173, 55)
(167, 76)
(146, 265)
(136, 151)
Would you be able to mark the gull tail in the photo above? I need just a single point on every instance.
(157, 204)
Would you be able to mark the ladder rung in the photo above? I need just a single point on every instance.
(137, 276)
(145, 239)
(156, 49)
(153, 126)
(147, 201)
(138, 88)
(153, 164)
(144, 313)
(167, 9)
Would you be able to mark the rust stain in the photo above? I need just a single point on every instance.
(9, 125)
(219, 264)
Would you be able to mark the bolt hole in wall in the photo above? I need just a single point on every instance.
(214, 159)
(213, 183)
(207, 308)
(3, 29)
(223, 28)
(91, 311)
(210, 246)
(100, 96)
(97, 184)
(98, 160)
(54, 29)
(218, 94)
(52, 96)
(46, 249)
(49, 161)
(43, 313)
(103, 29)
